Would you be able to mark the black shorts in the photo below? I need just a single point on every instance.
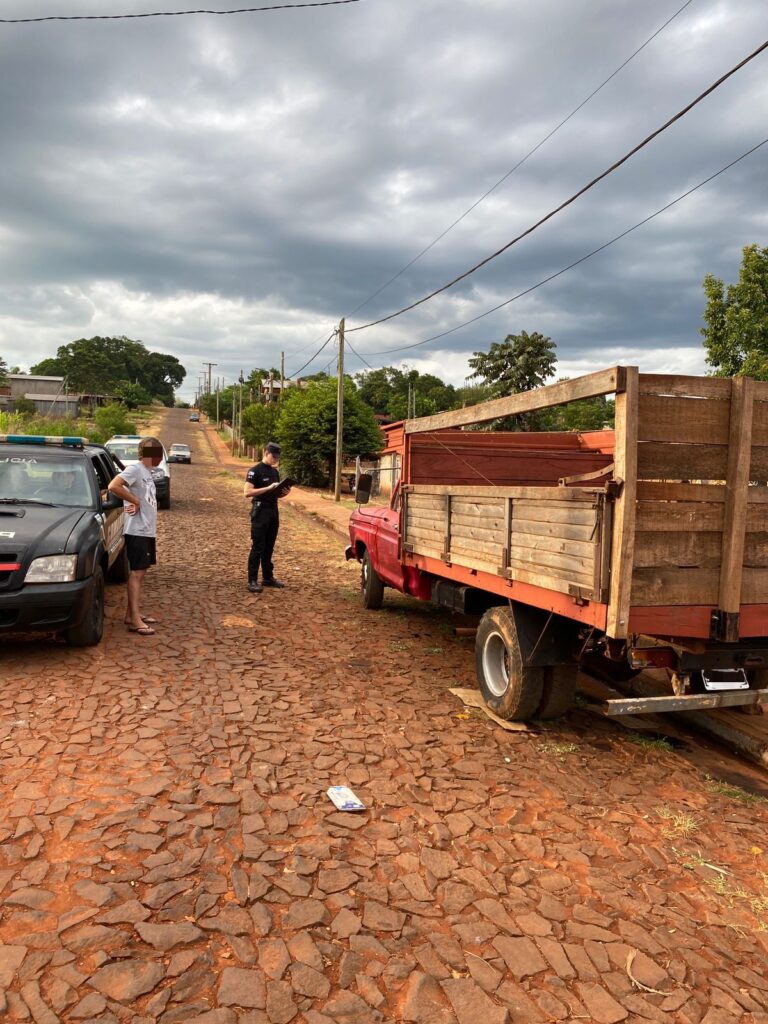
(141, 551)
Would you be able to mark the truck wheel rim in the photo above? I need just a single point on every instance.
(496, 664)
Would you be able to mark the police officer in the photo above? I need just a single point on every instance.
(262, 485)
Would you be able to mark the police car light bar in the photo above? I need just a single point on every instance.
(41, 439)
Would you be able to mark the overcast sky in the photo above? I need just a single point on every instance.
(226, 188)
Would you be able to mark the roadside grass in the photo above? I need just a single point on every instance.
(651, 742)
(732, 792)
(398, 645)
(679, 824)
(732, 895)
(558, 750)
(434, 650)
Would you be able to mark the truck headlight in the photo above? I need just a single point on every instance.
(52, 569)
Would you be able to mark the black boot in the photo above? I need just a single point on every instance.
(254, 586)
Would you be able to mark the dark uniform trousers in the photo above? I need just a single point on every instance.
(265, 522)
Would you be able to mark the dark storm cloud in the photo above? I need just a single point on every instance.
(227, 187)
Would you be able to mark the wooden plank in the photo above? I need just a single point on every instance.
(758, 464)
(760, 416)
(684, 387)
(488, 522)
(422, 548)
(558, 531)
(679, 548)
(494, 493)
(736, 485)
(434, 537)
(654, 490)
(554, 513)
(659, 461)
(479, 547)
(539, 579)
(690, 420)
(425, 527)
(429, 514)
(570, 564)
(756, 550)
(623, 541)
(469, 561)
(479, 508)
(675, 586)
(557, 545)
(476, 533)
(677, 516)
(604, 382)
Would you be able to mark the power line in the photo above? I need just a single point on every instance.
(314, 357)
(520, 162)
(355, 352)
(574, 197)
(582, 259)
(170, 14)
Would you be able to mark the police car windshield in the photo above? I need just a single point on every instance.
(44, 478)
(125, 451)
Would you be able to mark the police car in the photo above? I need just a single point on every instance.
(125, 447)
(61, 536)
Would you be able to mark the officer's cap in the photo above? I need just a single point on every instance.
(273, 448)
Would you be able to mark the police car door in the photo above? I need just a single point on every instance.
(112, 518)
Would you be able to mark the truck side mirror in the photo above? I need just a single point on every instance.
(363, 489)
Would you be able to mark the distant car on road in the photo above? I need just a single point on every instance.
(125, 447)
(180, 453)
(61, 536)
(194, 417)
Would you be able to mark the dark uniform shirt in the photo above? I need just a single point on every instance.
(262, 475)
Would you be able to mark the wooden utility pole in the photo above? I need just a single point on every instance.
(339, 414)
(282, 376)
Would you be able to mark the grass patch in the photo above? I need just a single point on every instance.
(434, 650)
(732, 792)
(398, 645)
(679, 824)
(650, 742)
(558, 750)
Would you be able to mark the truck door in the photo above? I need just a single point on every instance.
(387, 559)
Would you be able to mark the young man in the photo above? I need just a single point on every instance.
(135, 486)
(261, 482)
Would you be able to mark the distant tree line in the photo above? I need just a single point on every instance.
(118, 367)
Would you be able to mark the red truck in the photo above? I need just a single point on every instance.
(640, 546)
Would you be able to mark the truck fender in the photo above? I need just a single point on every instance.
(544, 637)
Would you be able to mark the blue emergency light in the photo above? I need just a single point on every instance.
(42, 439)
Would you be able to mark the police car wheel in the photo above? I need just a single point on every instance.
(89, 632)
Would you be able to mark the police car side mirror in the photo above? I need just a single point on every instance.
(363, 489)
(111, 501)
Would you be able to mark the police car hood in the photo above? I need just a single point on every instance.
(41, 529)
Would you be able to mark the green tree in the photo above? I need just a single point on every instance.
(736, 319)
(260, 423)
(386, 390)
(306, 428)
(100, 365)
(24, 406)
(113, 419)
(3, 371)
(520, 363)
(132, 395)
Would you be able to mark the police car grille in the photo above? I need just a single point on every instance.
(9, 564)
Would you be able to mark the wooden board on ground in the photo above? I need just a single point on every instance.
(473, 699)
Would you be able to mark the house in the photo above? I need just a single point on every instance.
(49, 394)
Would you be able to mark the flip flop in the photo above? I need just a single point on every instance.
(142, 630)
(149, 620)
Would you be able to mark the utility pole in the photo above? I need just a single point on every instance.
(217, 403)
(339, 414)
(209, 365)
(241, 381)
(233, 421)
(282, 376)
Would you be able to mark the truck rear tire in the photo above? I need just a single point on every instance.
(371, 585)
(90, 630)
(511, 690)
(559, 692)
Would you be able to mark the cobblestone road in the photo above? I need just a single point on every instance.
(167, 851)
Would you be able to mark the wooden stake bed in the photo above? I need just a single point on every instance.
(661, 527)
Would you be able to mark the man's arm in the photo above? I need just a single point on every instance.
(118, 486)
(249, 491)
